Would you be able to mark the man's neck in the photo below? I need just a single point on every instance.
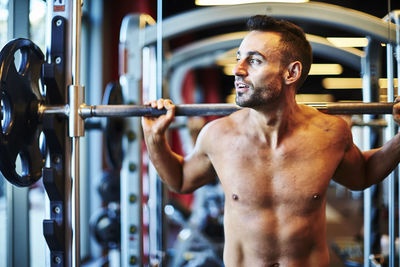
(275, 120)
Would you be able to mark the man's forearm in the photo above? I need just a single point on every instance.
(380, 162)
(167, 163)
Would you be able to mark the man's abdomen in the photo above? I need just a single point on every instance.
(268, 237)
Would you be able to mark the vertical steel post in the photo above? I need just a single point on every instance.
(131, 79)
(18, 240)
(370, 76)
(94, 164)
(159, 185)
(76, 126)
(390, 131)
(395, 16)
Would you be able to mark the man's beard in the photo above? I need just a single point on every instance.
(257, 97)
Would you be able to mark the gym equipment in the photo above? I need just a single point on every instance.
(201, 238)
(109, 186)
(209, 109)
(23, 109)
(20, 95)
(324, 14)
(115, 127)
(105, 227)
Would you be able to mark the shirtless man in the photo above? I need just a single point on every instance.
(274, 158)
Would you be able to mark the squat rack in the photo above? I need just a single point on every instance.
(142, 53)
(200, 54)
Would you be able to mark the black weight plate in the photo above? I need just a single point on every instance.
(105, 226)
(115, 127)
(109, 186)
(20, 96)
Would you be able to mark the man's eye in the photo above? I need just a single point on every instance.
(254, 61)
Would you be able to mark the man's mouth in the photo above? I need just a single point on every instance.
(241, 86)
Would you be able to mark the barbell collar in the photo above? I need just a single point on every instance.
(62, 110)
(76, 121)
(87, 111)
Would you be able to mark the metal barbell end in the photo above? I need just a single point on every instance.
(376, 108)
(87, 111)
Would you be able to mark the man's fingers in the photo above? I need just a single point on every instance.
(396, 110)
(170, 107)
(160, 103)
(168, 104)
(159, 124)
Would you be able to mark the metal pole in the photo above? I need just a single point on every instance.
(158, 184)
(204, 109)
(18, 237)
(370, 74)
(396, 18)
(76, 223)
(389, 134)
(76, 127)
(76, 40)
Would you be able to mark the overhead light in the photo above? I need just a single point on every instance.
(342, 83)
(316, 69)
(383, 83)
(238, 2)
(348, 41)
(351, 83)
(326, 69)
(314, 98)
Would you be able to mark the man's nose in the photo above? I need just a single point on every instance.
(239, 69)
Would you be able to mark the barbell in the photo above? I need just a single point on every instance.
(208, 109)
(23, 107)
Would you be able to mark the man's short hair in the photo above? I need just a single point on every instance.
(295, 45)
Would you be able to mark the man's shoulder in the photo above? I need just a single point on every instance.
(224, 126)
(220, 125)
(326, 122)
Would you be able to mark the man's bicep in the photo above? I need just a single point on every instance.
(197, 167)
(351, 170)
(197, 171)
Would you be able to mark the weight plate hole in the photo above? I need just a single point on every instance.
(6, 112)
(42, 145)
(19, 62)
(18, 165)
(21, 165)
(42, 89)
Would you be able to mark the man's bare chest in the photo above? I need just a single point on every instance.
(297, 172)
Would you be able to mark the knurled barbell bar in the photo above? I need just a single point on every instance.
(207, 109)
(22, 109)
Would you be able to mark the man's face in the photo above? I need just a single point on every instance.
(258, 72)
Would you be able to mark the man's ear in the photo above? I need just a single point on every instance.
(293, 72)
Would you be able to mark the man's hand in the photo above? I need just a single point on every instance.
(396, 110)
(157, 126)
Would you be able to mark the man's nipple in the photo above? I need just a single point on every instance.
(316, 196)
(235, 197)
